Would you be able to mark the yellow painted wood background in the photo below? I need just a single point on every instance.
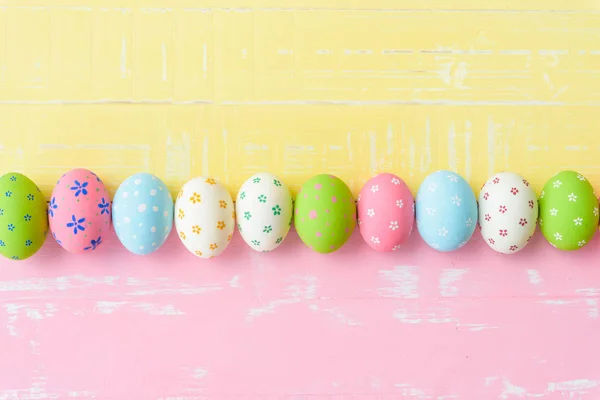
(228, 88)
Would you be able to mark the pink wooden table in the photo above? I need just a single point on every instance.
(295, 324)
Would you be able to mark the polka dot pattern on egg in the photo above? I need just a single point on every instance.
(325, 213)
(143, 222)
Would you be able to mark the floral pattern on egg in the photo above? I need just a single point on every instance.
(265, 205)
(79, 211)
(204, 217)
(385, 212)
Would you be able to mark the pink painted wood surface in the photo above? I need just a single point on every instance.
(354, 324)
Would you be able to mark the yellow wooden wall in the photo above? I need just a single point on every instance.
(227, 88)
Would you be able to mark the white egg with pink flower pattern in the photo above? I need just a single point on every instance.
(508, 212)
(386, 212)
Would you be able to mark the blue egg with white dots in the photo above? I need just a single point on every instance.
(446, 211)
(142, 213)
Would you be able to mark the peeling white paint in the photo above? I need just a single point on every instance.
(200, 373)
(55, 284)
(235, 282)
(588, 291)
(108, 307)
(534, 277)
(158, 309)
(404, 280)
(269, 308)
(178, 289)
(447, 278)
(592, 308)
(576, 386)
(511, 390)
(302, 288)
(337, 313)
(478, 327)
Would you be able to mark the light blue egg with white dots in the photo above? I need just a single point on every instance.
(142, 213)
(446, 211)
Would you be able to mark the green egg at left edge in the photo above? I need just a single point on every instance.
(23, 217)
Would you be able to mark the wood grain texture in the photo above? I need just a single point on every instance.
(294, 324)
(229, 88)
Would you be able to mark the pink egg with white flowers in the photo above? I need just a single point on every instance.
(79, 212)
(386, 212)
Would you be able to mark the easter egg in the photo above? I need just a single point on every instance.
(446, 211)
(142, 213)
(325, 213)
(508, 211)
(23, 218)
(264, 211)
(385, 212)
(79, 211)
(568, 211)
(204, 217)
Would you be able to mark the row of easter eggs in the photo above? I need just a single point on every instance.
(80, 213)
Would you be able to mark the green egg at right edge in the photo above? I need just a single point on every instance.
(325, 213)
(568, 211)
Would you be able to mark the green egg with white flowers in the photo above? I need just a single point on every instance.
(568, 211)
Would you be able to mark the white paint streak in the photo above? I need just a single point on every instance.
(404, 280)
(389, 138)
(589, 292)
(373, 152)
(511, 390)
(157, 309)
(478, 327)
(411, 155)
(13, 311)
(235, 282)
(577, 386)
(38, 314)
(337, 313)
(407, 389)
(447, 278)
(177, 289)
(468, 135)
(558, 302)
(534, 277)
(491, 146)
(225, 157)
(592, 308)
(349, 144)
(269, 308)
(425, 167)
(302, 288)
(205, 157)
(200, 373)
(452, 148)
(108, 307)
(62, 283)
